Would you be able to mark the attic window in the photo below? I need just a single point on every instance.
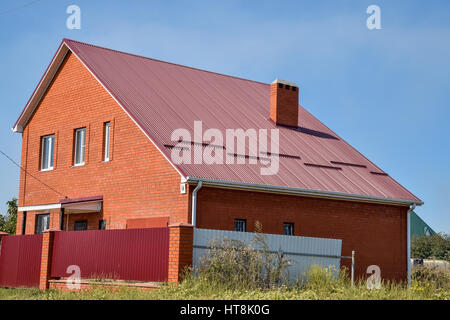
(280, 85)
(288, 87)
(294, 88)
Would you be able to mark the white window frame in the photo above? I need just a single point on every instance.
(82, 148)
(50, 152)
(107, 141)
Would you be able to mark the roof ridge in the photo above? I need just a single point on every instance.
(162, 61)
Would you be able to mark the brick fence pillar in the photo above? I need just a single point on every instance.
(181, 241)
(46, 258)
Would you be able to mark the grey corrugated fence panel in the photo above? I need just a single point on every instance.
(303, 252)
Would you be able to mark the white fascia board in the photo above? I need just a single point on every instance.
(302, 192)
(41, 207)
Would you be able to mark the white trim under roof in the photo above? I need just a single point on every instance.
(302, 192)
(41, 207)
(75, 207)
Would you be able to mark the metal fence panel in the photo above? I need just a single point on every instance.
(135, 254)
(303, 252)
(20, 261)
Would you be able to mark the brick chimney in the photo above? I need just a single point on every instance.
(284, 103)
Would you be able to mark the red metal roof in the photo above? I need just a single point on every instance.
(162, 97)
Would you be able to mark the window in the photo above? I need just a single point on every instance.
(107, 131)
(288, 229)
(101, 224)
(240, 225)
(42, 222)
(47, 150)
(80, 146)
(80, 225)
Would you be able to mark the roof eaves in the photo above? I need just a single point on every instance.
(302, 192)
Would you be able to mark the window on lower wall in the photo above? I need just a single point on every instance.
(42, 222)
(288, 229)
(80, 225)
(240, 225)
(102, 225)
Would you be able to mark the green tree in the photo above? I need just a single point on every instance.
(8, 222)
(435, 247)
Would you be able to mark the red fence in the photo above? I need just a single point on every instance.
(137, 254)
(20, 261)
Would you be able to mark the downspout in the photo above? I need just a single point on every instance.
(408, 240)
(194, 202)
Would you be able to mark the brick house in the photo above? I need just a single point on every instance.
(97, 146)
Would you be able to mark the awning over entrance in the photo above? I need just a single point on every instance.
(82, 205)
(70, 206)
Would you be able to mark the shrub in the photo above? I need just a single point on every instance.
(234, 264)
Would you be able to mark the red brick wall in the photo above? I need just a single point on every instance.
(138, 182)
(376, 232)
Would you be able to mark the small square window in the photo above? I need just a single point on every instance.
(288, 229)
(240, 225)
(47, 152)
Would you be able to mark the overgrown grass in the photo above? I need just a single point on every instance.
(321, 285)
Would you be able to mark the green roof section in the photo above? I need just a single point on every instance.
(419, 227)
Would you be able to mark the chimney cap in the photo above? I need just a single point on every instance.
(285, 82)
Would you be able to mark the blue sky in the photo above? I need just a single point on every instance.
(387, 92)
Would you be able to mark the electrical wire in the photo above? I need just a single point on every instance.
(26, 172)
(19, 7)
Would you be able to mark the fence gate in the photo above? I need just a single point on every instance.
(20, 261)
